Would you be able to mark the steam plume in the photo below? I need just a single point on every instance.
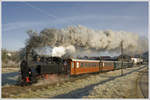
(75, 39)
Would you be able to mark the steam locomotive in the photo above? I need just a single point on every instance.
(40, 67)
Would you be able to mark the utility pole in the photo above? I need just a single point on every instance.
(121, 58)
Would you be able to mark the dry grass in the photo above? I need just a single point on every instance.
(123, 87)
(8, 70)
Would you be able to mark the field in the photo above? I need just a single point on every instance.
(9, 76)
(101, 85)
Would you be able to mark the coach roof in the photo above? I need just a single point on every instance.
(85, 60)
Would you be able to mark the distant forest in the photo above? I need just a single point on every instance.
(10, 58)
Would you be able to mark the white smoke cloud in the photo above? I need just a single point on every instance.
(56, 51)
(109, 40)
(70, 49)
(75, 40)
(60, 51)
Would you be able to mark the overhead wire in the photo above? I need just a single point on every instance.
(40, 10)
(45, 12)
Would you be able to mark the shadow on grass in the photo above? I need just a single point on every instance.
(9, 78)
(79, 93)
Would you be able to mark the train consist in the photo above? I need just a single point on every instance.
(43, 66)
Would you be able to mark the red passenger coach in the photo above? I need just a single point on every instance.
(84, 66)
(80, 66)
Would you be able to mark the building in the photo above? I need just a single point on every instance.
(137, 60)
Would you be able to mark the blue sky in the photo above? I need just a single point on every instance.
(18, 17)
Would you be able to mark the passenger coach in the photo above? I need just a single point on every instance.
(79, 66)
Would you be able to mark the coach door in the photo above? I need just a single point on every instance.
(72, 68)
(100, 66)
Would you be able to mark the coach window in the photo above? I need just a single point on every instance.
(77, 65)
(89, 64)
(96, 64)
(85, 64)
(72, 64)
(93, 64)
(81, 64)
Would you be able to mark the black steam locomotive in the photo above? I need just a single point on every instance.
(38, 67)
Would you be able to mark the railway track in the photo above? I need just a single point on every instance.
(144, 83)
